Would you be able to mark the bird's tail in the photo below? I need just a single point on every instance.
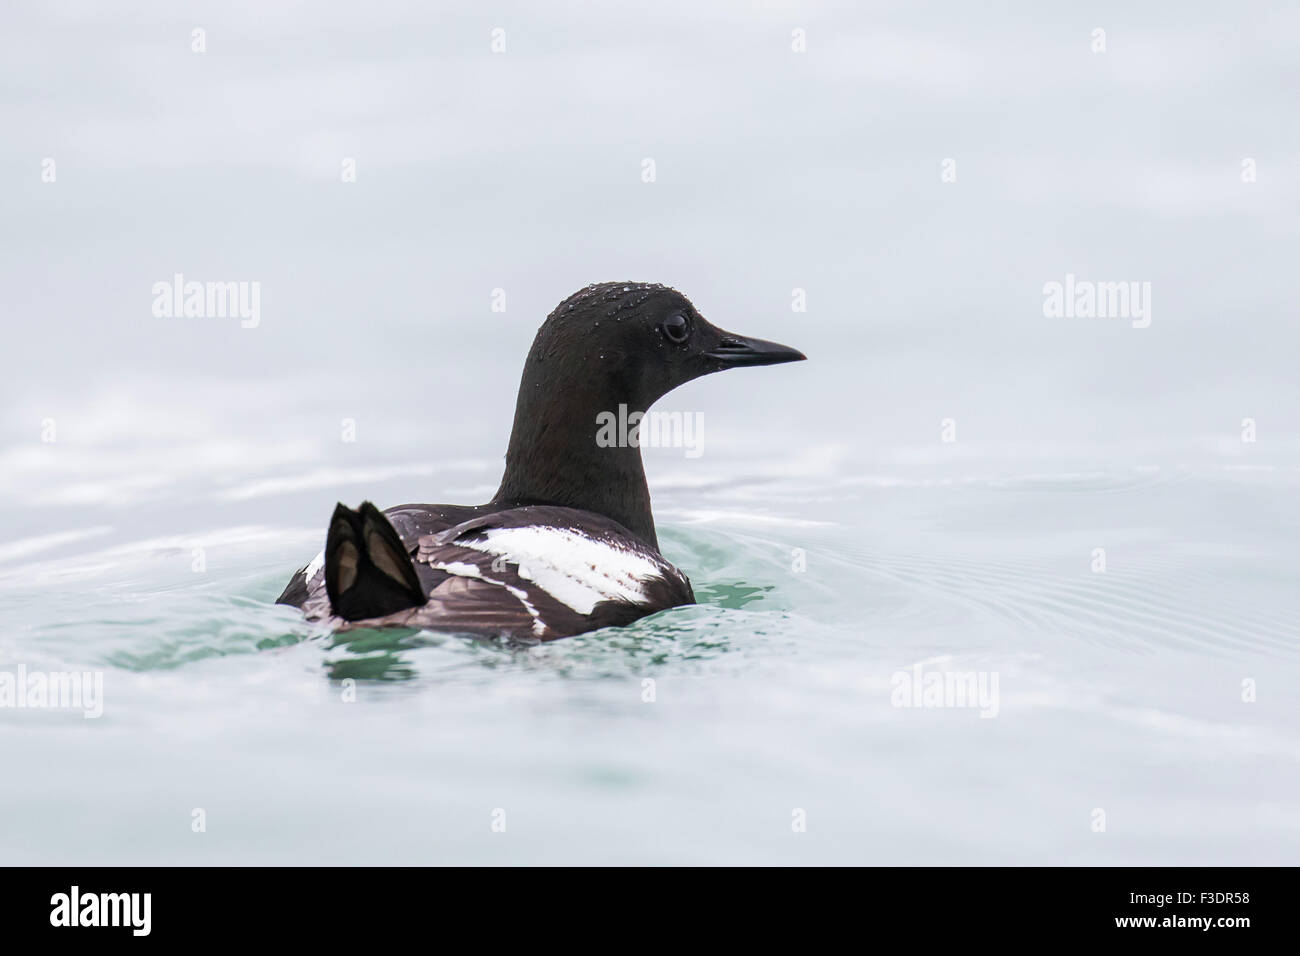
(368, 571)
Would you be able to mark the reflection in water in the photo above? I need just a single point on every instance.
(730, 596)
(374, 654)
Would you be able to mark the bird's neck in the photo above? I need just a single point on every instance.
(555, 458)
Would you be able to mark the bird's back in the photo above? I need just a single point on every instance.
(409, 521)
(533, 572)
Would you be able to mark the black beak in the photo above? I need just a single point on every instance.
(736, 350)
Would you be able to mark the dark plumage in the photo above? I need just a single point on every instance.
(567, 544)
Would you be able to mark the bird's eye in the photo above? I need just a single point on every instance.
(675, 328)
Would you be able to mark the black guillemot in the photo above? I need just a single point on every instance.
(568, 542)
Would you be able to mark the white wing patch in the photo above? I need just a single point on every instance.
(576, 570)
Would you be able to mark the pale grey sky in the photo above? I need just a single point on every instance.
(522, 170)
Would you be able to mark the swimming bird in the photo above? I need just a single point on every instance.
(568, 543)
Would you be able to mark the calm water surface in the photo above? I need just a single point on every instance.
(1119, 691)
